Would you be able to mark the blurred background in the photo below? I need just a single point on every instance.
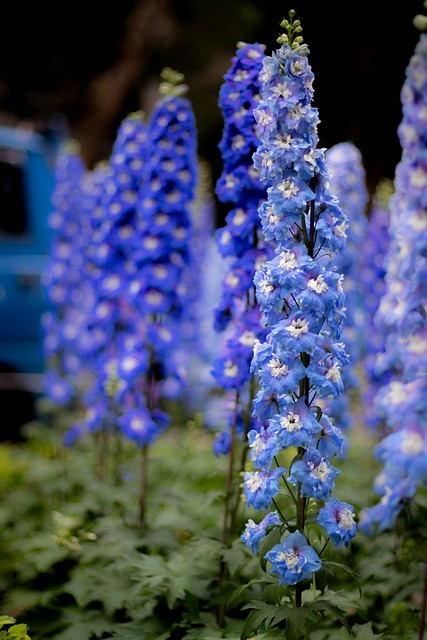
(91, 63)
(77, 69)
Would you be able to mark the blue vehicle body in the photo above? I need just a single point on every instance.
(26, 183)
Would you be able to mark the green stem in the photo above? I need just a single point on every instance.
(143, 486)
(220, 614)
(301, 501)
(423, 607)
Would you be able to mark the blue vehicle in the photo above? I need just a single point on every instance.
(26, 182)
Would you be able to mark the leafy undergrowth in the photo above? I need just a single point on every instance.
(77, 564)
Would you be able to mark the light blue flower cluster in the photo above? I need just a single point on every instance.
(240, 241)
(348, 184)
(302, 303)
(119, 353)
(372, 276)
(403, 311)
(136, 249)
(63, 321)
(200, 343)
(163, 234)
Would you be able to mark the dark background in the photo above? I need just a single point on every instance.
(94, 62)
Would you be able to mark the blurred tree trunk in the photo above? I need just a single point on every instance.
(149, 26)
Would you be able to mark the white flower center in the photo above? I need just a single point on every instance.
(290, 558)
(154, 297)
(150, 243)
(136, 424)
(247, 338)
(281, 91)
(225, 237)
(288, 260)
(291, 422)
(283, 141)
(238, 142)
(340, 230)
(417, 345)
(297, 112)
(113, 282)
(239, 217)
(288, 188)
(412, 444)
(129, 363)
(310, 158)
(254, 482)
(318, 285)
(418, 178)
(230, 369)
(250, 524)
(321, 472)
(346, 519)
(277, 368)
(264, 118)
(258, 445)
(334, 373)
(298, 327)
(230, 181)
(160, 271)
(265, 286)
(397, 393)
(232, 280)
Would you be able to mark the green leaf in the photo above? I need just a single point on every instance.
(238, 592)
(6, 620)
(298, 620)
(78, 623)
(234, 556)
(327, 606)
(101, 584)
(17, 632)
(364, 632)
(346, 569)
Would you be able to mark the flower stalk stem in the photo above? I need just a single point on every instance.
(423, 607)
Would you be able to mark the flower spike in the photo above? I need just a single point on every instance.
(292, 28)
(172, 84)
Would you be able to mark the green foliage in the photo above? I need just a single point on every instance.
(75, 563)
(14, 631)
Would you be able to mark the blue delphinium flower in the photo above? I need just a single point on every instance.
(337, 518)
(302, 303)
(348, 183)
(240, 241)
(62, 280)
(161, 243)
(294, 559)
(112, 344)
(372, 275)
(242, 244)
(254, 533)
(261, 487)
(200, 343)
(402, 312)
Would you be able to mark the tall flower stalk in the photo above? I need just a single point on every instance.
(241, 242)
(301, 360)
(348, 184)
(164, 233)
(403, 312)
(372, 276)
(62, 280)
